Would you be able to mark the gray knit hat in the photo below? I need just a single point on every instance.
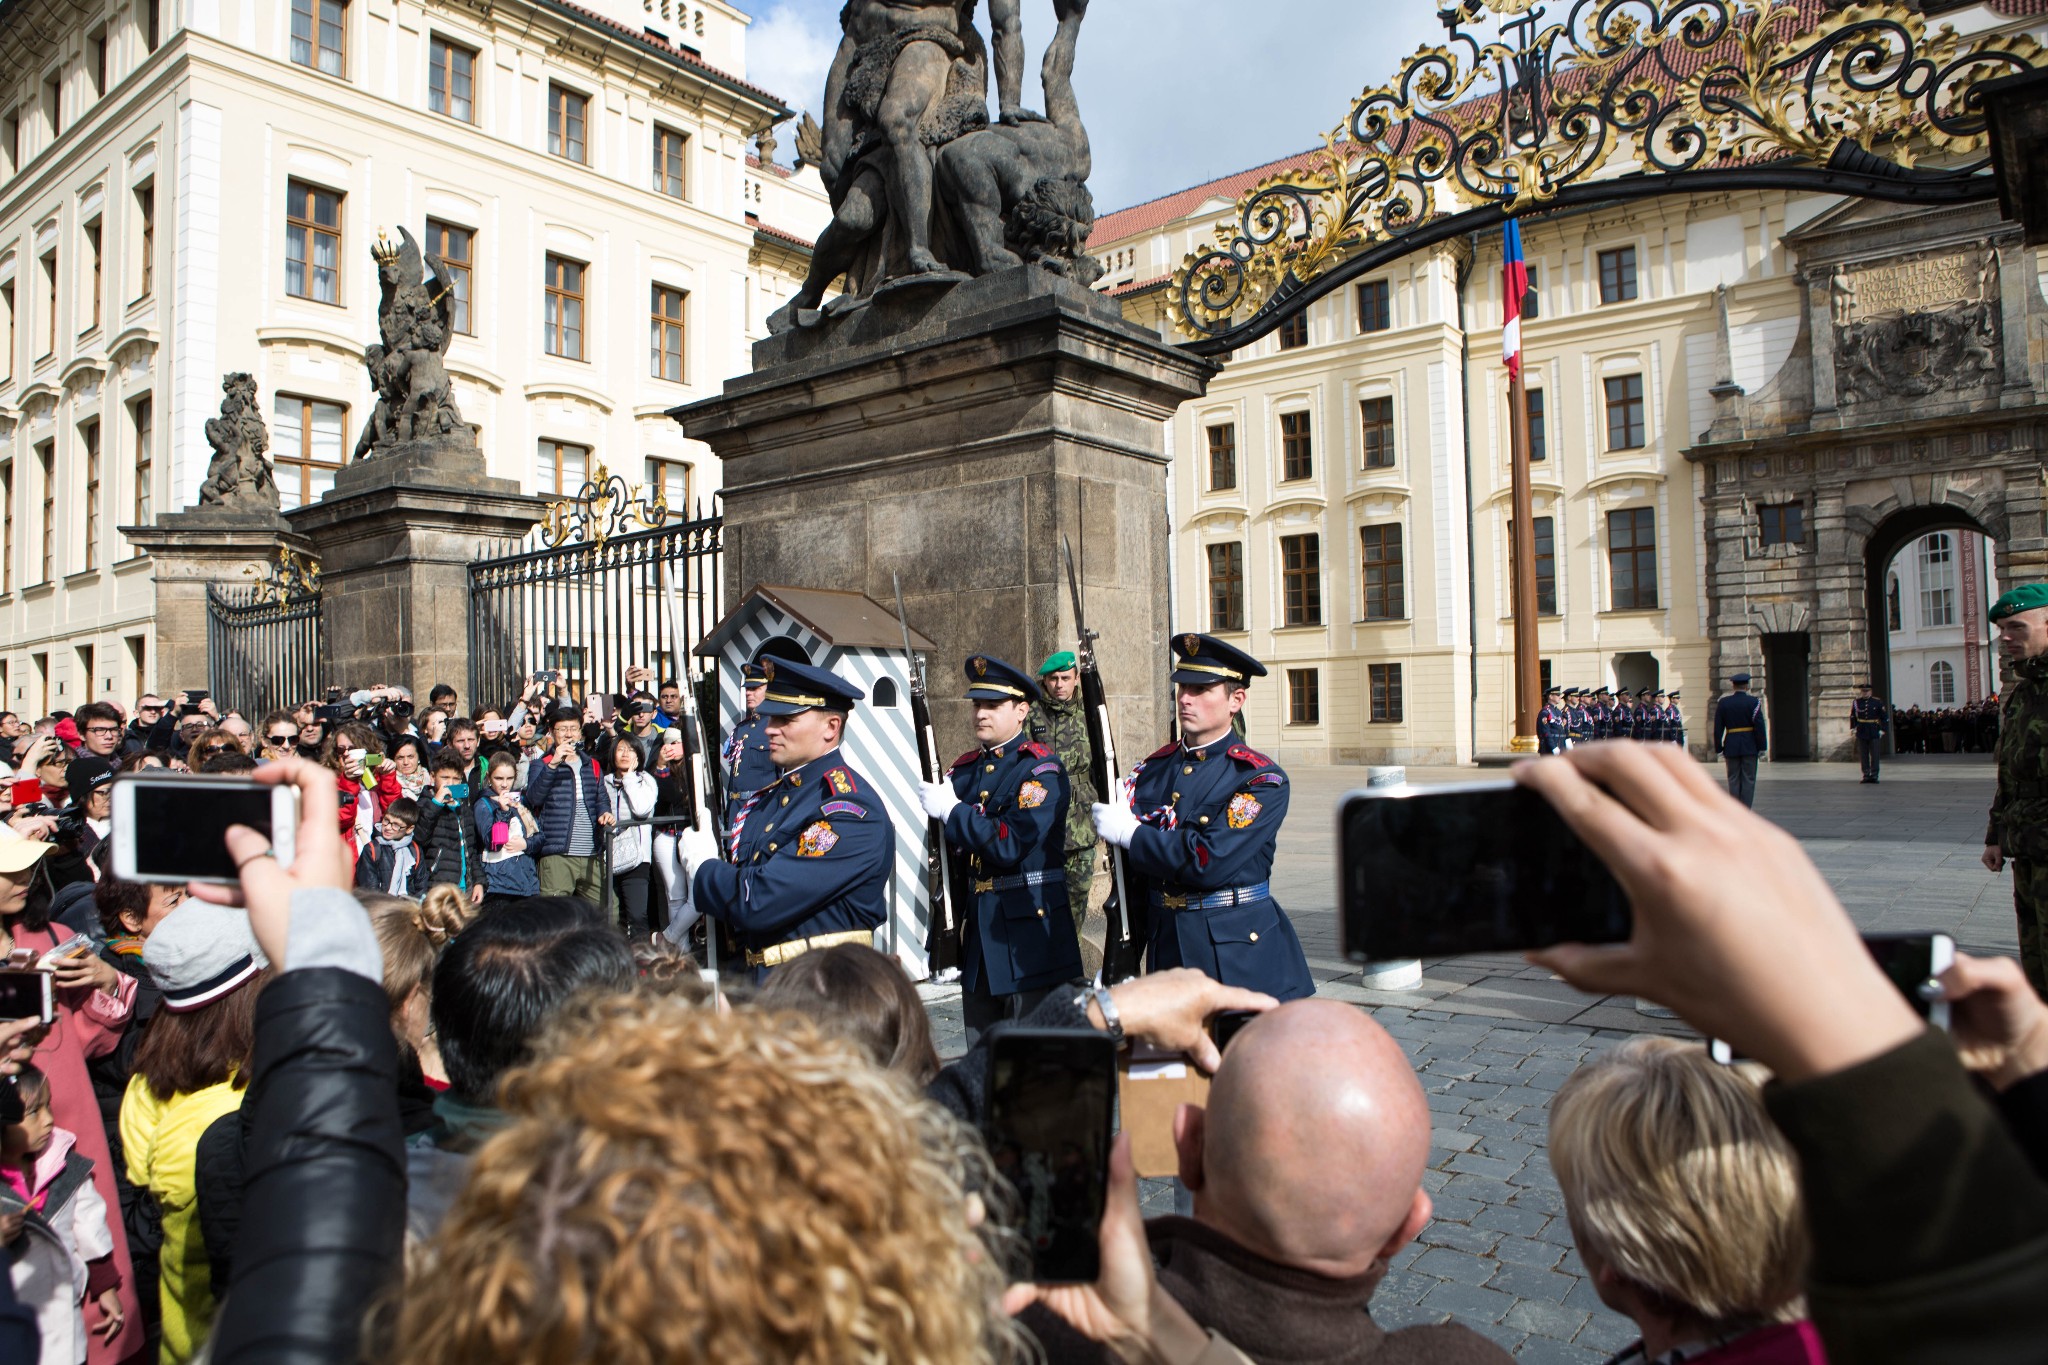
(201, 952)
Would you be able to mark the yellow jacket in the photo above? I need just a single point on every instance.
(160, 1139)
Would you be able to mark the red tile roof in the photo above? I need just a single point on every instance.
(682, 56)
(1157, 213)
(1139, 287)
(769, 166)
(777, 234)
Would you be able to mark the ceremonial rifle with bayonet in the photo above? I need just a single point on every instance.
(943, 943)
(1123, 944)
(701, 841)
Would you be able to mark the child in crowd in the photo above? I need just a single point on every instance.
(53, 1228)
(392, 863)
(447, 836)
(505, 828)
(633, 794)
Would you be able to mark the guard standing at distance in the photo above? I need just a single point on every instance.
(1004, 805)
(1740, 737)
(1550, 731)
(811, 851)
(1869, 719)
(745, 756)
(1200, 822)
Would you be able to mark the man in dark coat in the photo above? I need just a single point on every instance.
(2018, 828)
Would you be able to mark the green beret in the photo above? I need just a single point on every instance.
(1059, 662)
(2023, 598)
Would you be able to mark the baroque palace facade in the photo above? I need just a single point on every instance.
(1743, 405)
(192, 189)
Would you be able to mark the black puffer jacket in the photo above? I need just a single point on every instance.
(324, 1208)
(446, 843)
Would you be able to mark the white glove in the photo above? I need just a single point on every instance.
(938, 799)
(694, 848)
(1116, 824)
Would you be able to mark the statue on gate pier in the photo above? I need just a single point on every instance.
(415, 321)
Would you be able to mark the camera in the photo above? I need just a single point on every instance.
(551, 675)
(334, 713)
(399, 707)
(190, 705)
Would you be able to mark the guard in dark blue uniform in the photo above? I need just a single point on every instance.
(745, 755)
(1601, 716)
(1004, 805)
(1740, 737)
(1869, 720)
(1649, 726)
(1578, 726)
(1550, 732)
(1674, 721)
(811, 850)
(1200, 825)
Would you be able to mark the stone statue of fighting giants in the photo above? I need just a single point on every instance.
(415, 398)
(238, 478)
(925, 189)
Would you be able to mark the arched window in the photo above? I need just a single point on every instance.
(885, 692)
(1937, 580)
(1941, 683)
(1894, 614)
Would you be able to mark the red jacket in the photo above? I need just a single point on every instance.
(384, 785)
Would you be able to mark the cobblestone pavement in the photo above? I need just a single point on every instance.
(1493, 1038)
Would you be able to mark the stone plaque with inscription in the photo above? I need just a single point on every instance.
(1916, 327)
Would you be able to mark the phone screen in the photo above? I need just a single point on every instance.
(26, 994)
(1223, 1026)
(180, 828)
(1051, 1096)
(1470, 869)
(1911, 961)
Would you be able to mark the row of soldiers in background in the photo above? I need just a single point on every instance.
(1573, 715)
(1969, 729)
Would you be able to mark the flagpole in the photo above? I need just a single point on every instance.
(1522, 545)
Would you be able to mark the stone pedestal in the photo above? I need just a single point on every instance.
(190, 550)
(953, 437)
(395, 539)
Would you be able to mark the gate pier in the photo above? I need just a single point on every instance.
(190, 552)
(395, 539)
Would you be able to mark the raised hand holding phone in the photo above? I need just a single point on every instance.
(1779, 971)
(319, 858)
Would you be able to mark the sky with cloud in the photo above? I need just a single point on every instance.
(1174, 92)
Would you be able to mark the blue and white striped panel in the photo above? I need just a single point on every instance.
(880, 744)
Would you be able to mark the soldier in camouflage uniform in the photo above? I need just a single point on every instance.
(2019, 813)
(1059, 722)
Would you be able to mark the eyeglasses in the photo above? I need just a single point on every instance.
(147, 710)
(284, 739)
(213, 750)
(103, 729)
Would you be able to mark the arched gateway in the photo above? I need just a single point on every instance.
(1912, 401)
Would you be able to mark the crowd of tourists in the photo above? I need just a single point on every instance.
(413, 1098)
(1971, 729)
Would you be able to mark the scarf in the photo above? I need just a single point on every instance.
(402, 859)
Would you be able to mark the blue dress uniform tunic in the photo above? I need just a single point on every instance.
(1739, 729)
(1550, 729)
(1009, 839)
(747, 765)
(811, 857)
(1203, 858)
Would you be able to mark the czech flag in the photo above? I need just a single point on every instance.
(1514, 286)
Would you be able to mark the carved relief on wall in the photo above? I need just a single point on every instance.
(1916, 327)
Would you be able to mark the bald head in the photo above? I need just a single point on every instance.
(1313, 1144)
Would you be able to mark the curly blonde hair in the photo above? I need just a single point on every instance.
(675, 1185)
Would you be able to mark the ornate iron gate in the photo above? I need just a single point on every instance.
(587, 595)
(263, 647)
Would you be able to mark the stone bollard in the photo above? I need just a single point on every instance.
(1400, 974)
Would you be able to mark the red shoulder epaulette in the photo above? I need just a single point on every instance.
(1163, 751)
(965, 759)
(1244, 754)
(1037, 750)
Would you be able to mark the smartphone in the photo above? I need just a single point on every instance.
(547, 676)
(1051, 1103)
(172, 827)
(1912, 961)
(27, 993)
(1224, 1024)
(1481, 867)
